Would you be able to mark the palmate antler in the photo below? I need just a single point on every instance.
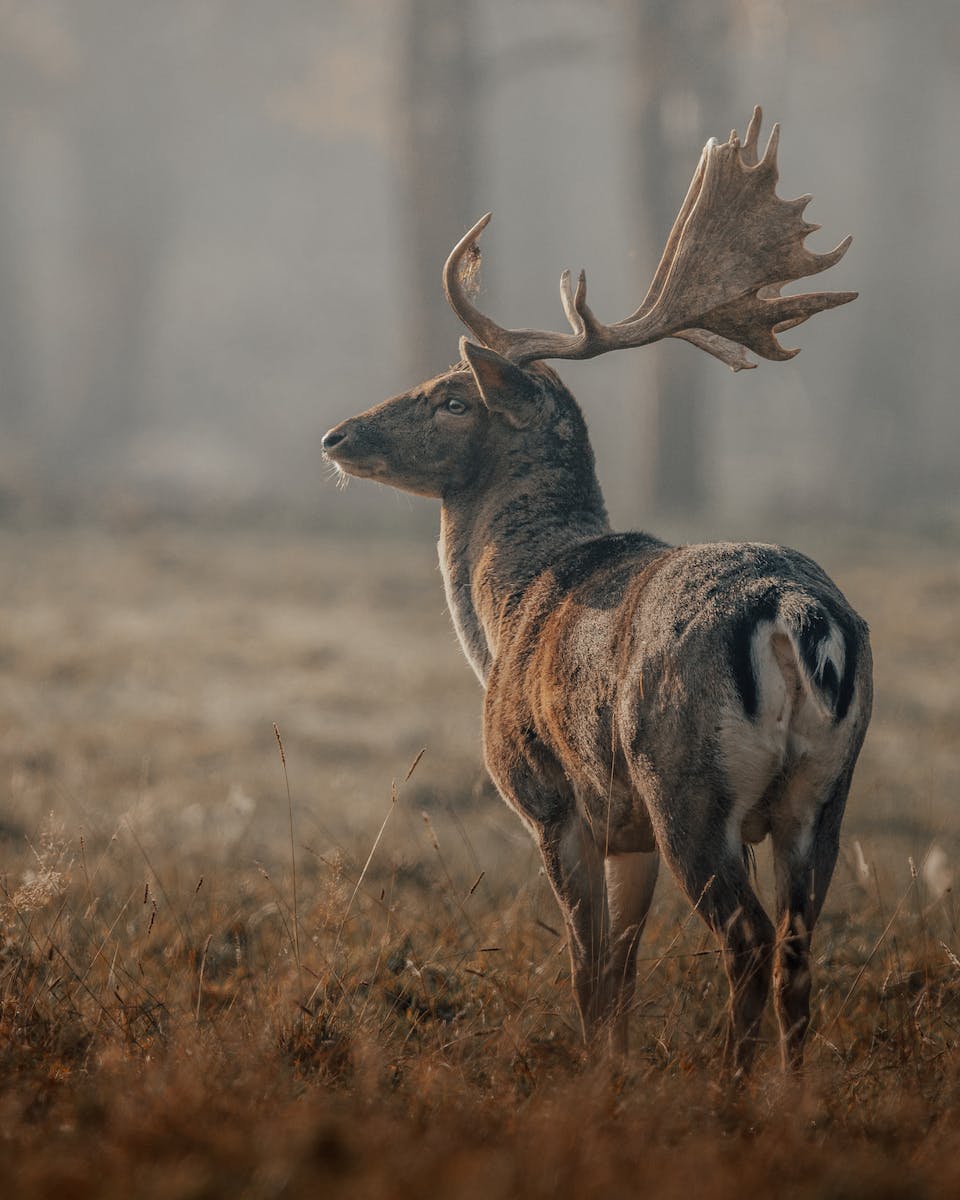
(734, 244)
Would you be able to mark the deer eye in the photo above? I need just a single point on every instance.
(457, 407)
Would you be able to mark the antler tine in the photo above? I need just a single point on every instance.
(488, 331)
(769, 160)
(591, 327)
(799, 205)
(734, 244)
(519, 345)
(568, 300)
(755, 321)
(825, 261)
(748, 151)
(728, 352)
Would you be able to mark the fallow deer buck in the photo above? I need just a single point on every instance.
(643, 699)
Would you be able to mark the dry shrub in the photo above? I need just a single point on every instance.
(425, 1043)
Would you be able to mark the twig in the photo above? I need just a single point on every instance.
(203, 963)
(293, 863)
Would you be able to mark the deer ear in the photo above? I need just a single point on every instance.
(504, 387)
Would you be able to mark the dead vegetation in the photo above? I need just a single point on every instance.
(180, 1017)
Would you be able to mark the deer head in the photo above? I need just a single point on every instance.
(733, 246)
(465, 428)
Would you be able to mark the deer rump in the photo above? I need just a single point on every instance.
(672, 692)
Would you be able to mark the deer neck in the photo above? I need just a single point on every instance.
(495, 539)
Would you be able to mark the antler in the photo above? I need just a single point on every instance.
(734, 244)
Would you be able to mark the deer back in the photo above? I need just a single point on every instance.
(633, 659)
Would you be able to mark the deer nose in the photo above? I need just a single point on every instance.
(331, 439)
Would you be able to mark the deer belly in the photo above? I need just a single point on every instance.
(619, 819)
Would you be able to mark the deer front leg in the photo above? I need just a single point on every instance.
(631, 879)
(574, 867)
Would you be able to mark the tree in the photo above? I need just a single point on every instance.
(436, 154)
(674, 86)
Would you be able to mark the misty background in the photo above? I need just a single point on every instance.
(222, 226)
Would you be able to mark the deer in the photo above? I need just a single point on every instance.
(643, 700)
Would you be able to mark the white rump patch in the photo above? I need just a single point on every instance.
(755, 750)
(792, 722)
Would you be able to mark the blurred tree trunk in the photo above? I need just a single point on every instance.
(126, 226)
(17, 379)
(880, 426)
(14, 352)
(437, 148)
(125, 213)
(679, 89)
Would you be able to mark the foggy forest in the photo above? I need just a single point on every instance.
(266, 927)
(222, 228)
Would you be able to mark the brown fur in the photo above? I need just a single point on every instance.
(620, 675)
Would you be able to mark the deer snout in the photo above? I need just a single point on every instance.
(352, 448)
(333, 437)
(353, 440)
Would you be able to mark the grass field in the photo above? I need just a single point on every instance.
(211, 988)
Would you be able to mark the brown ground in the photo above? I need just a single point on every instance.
(178, 1020)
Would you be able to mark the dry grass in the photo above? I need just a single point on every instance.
(178, 1020)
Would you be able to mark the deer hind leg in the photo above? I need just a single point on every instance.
(746, 938)
(575, 868)
(806, 839)
(631, 879)
(719, 888)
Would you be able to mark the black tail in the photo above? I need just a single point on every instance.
(817, 639)
(825, 642)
